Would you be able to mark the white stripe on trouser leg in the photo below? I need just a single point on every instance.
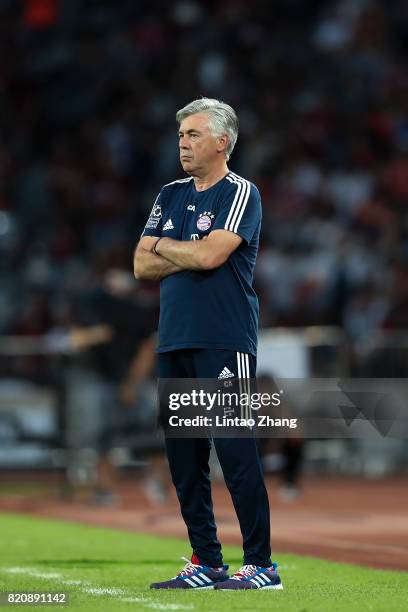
(241, 374)
(245, 383)
(239, 378)
(249, 411)
(248, 387)
(244, 386)
(244, 380)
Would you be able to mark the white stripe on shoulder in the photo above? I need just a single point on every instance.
(234, 203)
(239, 203)
(237, 176)
(244, 200)
(185, 180)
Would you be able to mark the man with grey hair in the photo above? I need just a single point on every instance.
(201, 242)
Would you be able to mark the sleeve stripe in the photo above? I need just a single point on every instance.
(243, 206)
(239, 178)
(233, 205)
(239, 204)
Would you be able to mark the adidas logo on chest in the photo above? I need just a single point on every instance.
(168, 225)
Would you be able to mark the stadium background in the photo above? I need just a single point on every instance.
(88, 95)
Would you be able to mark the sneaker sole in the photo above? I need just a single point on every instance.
(275, 587)
(197, 588)
(204, 588)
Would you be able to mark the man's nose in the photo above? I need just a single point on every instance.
(184, 144)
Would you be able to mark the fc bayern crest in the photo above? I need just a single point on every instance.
(204, 221)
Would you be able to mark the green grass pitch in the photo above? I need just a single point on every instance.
(107, 569)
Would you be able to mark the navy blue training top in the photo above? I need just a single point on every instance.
(216, 308)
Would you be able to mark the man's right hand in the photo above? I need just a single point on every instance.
(149, 266)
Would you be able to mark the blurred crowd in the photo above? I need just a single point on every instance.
(88, 95)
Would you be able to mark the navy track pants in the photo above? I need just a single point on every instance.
(238, 457)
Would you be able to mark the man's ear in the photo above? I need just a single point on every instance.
(222, 143)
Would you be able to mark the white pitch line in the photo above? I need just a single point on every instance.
(121, 594)
(102, 591)
(33, 572)
(159, 606)
(156, 606)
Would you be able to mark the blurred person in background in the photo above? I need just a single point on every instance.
(122, 364)
(282, 456)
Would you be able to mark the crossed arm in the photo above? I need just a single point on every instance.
(176, 255)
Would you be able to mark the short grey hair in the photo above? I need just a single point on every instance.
(222, 119)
